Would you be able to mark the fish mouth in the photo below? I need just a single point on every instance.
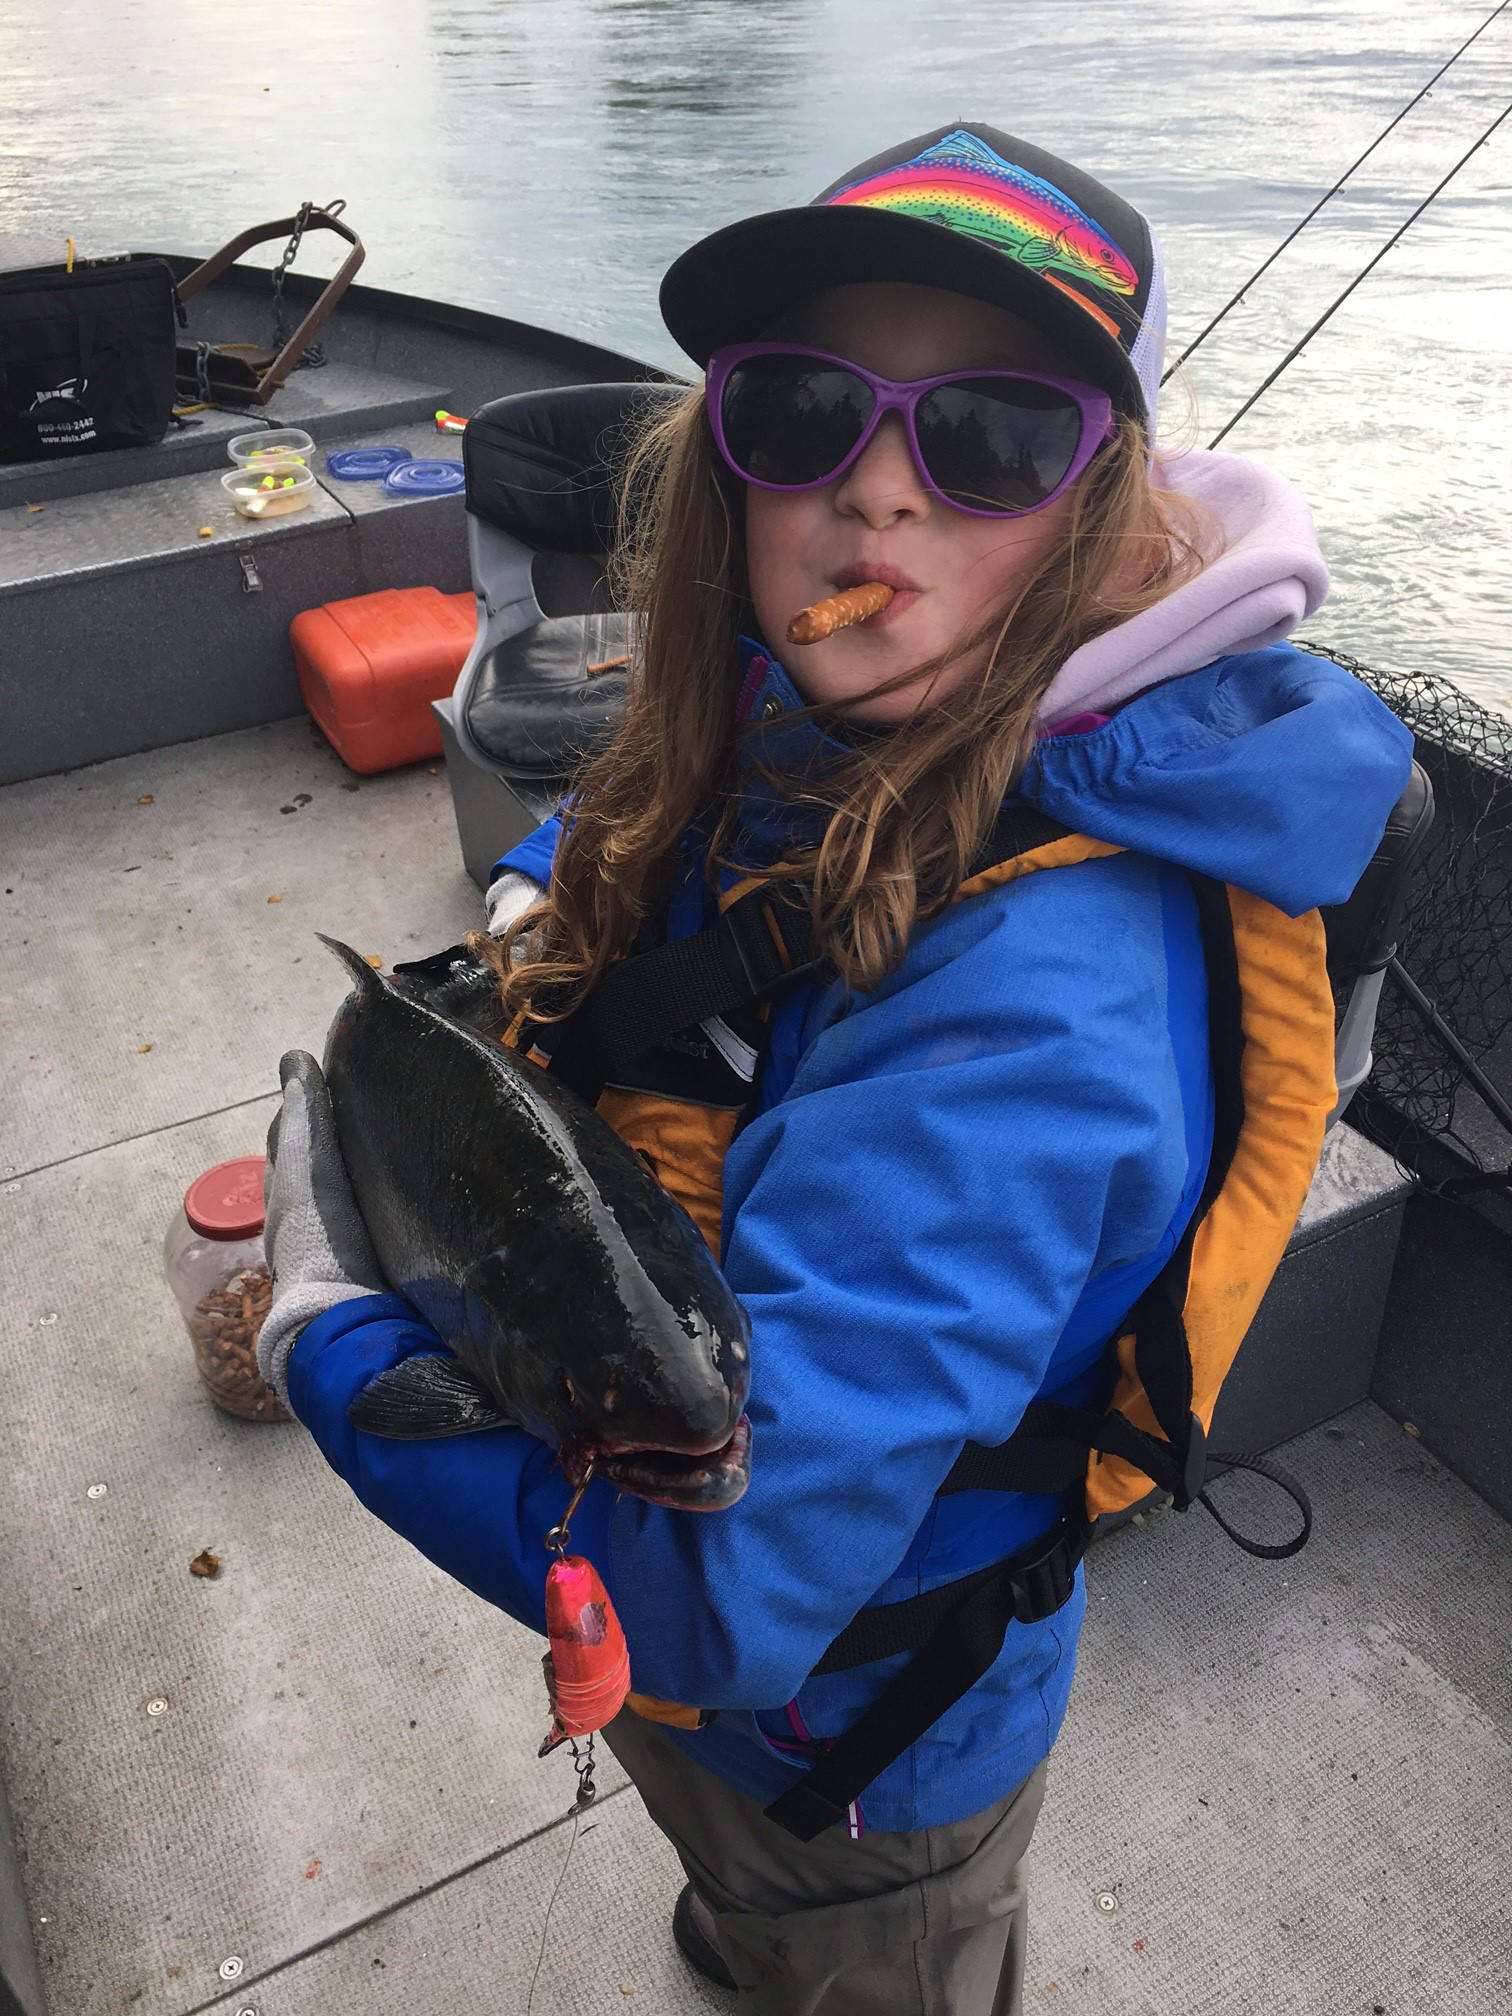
(707, 1481)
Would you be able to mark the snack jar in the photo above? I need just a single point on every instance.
(214, 1259)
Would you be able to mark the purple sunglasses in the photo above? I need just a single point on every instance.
(786, 417)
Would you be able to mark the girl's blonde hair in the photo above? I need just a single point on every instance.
(903, 815)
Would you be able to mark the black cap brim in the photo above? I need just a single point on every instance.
(735, 283)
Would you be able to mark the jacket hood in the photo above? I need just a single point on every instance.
(1271, 769)
(1263, 574)
(1232, 753)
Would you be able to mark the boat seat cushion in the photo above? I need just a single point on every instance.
(542, 465)
(1362, 930)
(536, 709)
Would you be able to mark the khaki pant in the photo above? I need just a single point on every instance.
(930, 1923)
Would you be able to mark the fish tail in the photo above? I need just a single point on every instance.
(367, 981)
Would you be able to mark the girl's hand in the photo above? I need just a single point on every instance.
(508, 895)
(318, 1248)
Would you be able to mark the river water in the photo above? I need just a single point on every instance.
(548, 158)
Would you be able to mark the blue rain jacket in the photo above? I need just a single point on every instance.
(951, 1191)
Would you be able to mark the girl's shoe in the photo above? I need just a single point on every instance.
(699, 1953)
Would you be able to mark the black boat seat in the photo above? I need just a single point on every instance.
(540, 686)
(1362, 931)
(540, 705)
(541, 465)
(541, 499)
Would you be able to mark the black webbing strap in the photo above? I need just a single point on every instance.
(1056, 1442)
(967, 1624)
(1018, 829)
(1043, 1453)
(762, 939)
(1162, 1356)
(1263, 1550)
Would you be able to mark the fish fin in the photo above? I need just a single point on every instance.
(366, 979)
(422, 1398)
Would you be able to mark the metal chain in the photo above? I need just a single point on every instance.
(314, 355)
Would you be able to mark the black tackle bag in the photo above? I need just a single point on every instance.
(86, 358)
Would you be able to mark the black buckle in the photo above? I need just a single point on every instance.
(1043, 1584)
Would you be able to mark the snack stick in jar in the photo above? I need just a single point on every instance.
(838, 612)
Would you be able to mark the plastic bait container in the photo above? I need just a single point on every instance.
(271, 445)
(269, 490)
(213, 1257)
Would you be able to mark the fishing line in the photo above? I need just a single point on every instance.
(546, 1927)
(1302, 343)
(1274, 256)
(582, 1764)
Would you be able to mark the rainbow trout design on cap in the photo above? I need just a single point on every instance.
(959, 182)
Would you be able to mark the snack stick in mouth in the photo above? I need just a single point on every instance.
(838, 612)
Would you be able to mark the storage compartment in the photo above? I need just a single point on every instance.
(370, 667)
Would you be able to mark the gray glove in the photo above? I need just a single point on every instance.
(318, 1248)
(509, 894)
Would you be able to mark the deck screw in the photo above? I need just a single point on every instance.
(97, 1491)
(157, 1705)
(1107, 1903)
(230, 1967)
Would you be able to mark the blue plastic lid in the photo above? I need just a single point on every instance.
(424, 479)
(364, 465)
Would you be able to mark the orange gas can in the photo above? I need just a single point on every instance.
(369, 668)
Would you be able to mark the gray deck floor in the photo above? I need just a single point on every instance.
(1294, 1779)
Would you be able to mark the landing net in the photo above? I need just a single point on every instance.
(1455, 937)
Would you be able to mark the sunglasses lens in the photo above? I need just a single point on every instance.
(790, 421)
(995, 446)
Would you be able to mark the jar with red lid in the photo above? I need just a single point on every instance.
(216, 1269)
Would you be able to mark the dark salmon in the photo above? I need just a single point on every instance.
(578, 1299)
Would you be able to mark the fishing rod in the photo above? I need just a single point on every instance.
(1299, 346)
(1266, 263)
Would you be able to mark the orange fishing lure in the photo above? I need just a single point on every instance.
(588, 1666)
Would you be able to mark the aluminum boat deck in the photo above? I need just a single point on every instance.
(1283, 1789)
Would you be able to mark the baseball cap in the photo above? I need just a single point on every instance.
(965, 208)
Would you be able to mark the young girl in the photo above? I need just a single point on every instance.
(961, 1145)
